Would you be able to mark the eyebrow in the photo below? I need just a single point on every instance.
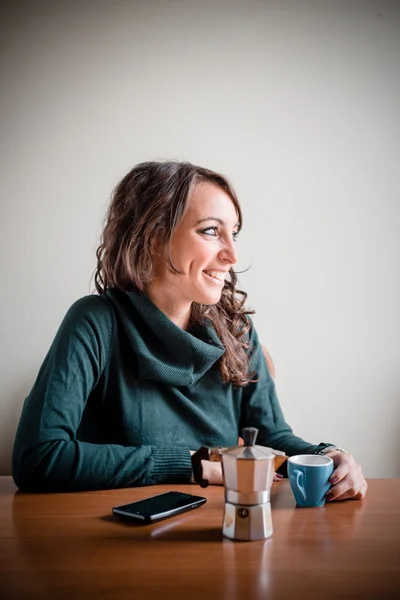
(215, 219)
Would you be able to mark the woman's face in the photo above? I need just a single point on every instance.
(202, 248)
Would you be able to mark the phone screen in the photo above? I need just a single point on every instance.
(160, 506)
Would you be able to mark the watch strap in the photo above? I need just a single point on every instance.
(322, 446)
(326, 450)
(212, 454)
(197, 468)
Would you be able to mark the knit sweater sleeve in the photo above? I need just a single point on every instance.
(261, 407)
(47, 455)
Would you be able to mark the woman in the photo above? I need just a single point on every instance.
(165, 358)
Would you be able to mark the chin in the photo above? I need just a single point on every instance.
(209, 302)
(207, 299)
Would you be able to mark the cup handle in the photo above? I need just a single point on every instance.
(299, 482)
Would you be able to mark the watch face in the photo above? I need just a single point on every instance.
(214, 454)
(325, 448)
(330, 448)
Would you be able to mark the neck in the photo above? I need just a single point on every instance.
(165, 300)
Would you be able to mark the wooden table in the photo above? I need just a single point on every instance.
(70, 546)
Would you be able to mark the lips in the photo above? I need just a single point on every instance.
(218, 275)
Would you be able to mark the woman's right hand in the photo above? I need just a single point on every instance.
(212, 471)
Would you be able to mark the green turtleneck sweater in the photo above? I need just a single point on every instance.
(124, 394)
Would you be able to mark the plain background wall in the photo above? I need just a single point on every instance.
(297, 102)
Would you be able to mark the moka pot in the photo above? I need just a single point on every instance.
(248, 473)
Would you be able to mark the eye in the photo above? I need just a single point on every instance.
(213, 230)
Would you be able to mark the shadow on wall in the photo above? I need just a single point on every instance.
(11, 413)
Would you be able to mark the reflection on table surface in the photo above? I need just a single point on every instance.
(71, 546)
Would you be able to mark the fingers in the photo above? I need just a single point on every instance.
(344, 464)
(353, 485)
(362, 492)
(342, 470)
(352, 494)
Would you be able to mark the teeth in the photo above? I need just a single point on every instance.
(216, 274)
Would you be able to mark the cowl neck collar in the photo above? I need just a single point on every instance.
(164, 352)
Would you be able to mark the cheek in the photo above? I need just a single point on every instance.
(200, 259)
(190, 255)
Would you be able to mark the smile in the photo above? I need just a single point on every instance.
(217, 277)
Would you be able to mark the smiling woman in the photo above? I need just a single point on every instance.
(165, 358)
(170, 234)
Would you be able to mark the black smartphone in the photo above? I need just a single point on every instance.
(159, 507)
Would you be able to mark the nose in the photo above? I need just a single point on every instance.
(228, 252)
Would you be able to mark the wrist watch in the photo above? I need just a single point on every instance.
(329, 448)
(204, 453)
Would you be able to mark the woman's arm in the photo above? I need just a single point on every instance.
(47, 456)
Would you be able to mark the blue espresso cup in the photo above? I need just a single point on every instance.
(309, 477)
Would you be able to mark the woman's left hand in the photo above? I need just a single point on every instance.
(347, 479)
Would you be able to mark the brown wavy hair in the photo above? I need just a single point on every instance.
(147, 205)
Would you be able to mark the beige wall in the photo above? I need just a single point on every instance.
(297, 102)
